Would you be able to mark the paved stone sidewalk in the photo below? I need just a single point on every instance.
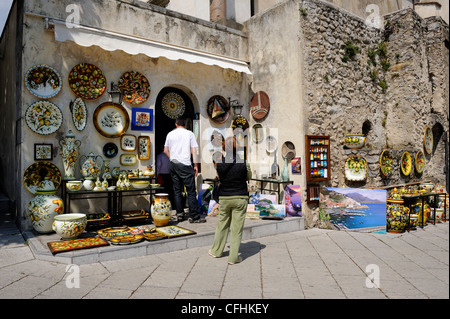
(310, 263)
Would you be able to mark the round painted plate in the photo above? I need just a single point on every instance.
(37, 172)
(260, 105)
(173, 105)
(406, 163)
(428, 140)
(43, 81)
(419, 162)
(355, 168)
(240, 122)
(111, 119)
(87, 81)
(110, 150)
(135, 87)
(126, 239)
(43, 117)
(79, 113)
(218, 109)
(386, 163)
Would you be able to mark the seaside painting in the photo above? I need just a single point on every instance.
(352, 209)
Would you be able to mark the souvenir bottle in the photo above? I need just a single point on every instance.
(70, 151)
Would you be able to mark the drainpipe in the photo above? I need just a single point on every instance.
(218, 10)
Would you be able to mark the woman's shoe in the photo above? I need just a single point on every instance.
(236, 262)
(213, 256)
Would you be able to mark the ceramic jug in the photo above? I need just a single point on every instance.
(396, 213)
(161, 210)
(90, 166)
(70, 151)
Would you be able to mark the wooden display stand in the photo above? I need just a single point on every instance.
(317, 160)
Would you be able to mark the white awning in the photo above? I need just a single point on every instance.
(111, 41)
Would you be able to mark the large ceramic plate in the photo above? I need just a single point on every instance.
(428, 140)
(126, 239)
(260, 105)
(39, 171)
(79, 113)
(173, 105)
(419, 162)
(355, 168)
(111, 119)
(87, 81)
(135, 87)
(406, 163)
(218, 109)
(386, 163)
(43, 81)
(43, 117)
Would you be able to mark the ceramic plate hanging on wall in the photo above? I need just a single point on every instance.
(419, 162)
(135, 87)
(406, 163)
(39, 171)
(79, 113)
(111, 119)
(110, 150)
(87, 81)
(43, 117)
(144, 147)
(260, 105)
(173, 105)
(386, 163)
(218, 109)
(428, 140)
(355, 168)
(43, 81)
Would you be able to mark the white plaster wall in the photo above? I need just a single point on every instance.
(238, 10)
(195, 8)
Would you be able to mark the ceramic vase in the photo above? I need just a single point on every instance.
(161, 210)
(396, 213)
(149, 172)
(285, 172)
(69, 226)
(90, 166)
(43, 208)
(70, 151)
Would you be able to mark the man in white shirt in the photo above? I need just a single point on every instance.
(180, 144)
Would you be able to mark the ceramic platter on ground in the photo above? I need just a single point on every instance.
(43, 81)
(43, 117)
(135, 87)
(428, 140)
(173, 105)
(218, 109)
(355, 168)
(126, 239)
(39, 171)
(419, 162)
(386, 163)
(406, 163)
(79, 113)
(87, 81)
(111, 119)
(174, 231)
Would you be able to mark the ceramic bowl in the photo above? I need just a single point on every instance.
(140, 184)
(428, 187)
(74, 186)
(413, 220)
(354, 140)
(69, 226)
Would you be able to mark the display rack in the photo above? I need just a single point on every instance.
(317, 162)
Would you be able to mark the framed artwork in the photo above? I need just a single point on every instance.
(128, 159)
(144, 147)
(296, 165)
(43, 152)
(141, 119)
(128, 142)
(293, 200)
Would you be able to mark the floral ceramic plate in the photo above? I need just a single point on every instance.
(126, 239)
(419, 162)
(79, 113)
(428, 140)
(87, 81)
(406, 163)
(173, 105)
(43, 81)
(218, 109)
(135, 87)
(111, 232)
(39, 171)
(386, 163)
(111, 119)
(354, 140)
(43, 117)
(355, 168)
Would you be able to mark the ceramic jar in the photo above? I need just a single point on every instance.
(90, 166)
(416, 208)
(354, 140)
(74, 186)
(161, 210)
(396, 213)
(70, 150)
(149, 172)
(88, 184)
(69, 226)
(44, 207)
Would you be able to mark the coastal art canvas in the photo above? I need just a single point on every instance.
(353, 209)
(293, 200)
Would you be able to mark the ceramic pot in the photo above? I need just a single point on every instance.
(354, 140)
(396, 213)
(413, 221)
(88, 184)
(90, 166)
(69, 226)
(439, 214)
(44, 207)
(149, 172)
(70, 150)
(161, 210)
(416, 208)
(74, 186)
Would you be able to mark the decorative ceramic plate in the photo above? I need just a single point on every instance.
(126, 239)
(128, 159)
(111, 232)
(135, 87)
(218, 109)
(87, 81)
(419, 162)
(354, 140)
(128, 142)
(173, 105)
(406, 163)
(355, 168)
(79, 113)
(240, 122)
(110, 150)
(43, 117)
(39, 171)
(111, 119)
(257, 133)
(428, 140)
(154, 236)
(43, 81)
(260, 105)
(386, 163)
(174, 231)
(271, 144)
(288, 150)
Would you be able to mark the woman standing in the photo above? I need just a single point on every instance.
(233, 173)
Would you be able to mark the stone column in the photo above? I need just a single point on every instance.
(218, 10)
